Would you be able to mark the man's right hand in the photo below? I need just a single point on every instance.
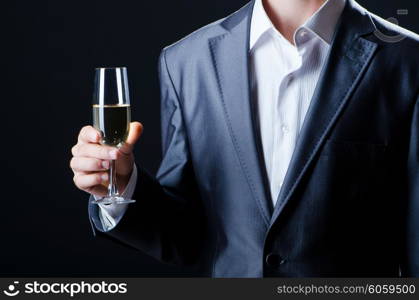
(90, 161)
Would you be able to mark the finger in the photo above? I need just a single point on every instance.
(95, 151)
(135, 131)
(87, 164)
(89, 134)
(88, 181)
(98, 190)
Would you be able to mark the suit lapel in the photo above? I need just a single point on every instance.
(230, 57)
(348, 59)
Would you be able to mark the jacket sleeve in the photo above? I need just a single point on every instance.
(410, 262)
(167, 221)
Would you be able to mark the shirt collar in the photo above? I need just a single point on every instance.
(322, 23)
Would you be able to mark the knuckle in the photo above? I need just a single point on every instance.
(74, 150)
(84, 132)
(72, 163)
(85, 129)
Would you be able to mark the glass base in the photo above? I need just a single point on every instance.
(112, 200)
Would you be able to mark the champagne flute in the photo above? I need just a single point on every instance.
(112, 118)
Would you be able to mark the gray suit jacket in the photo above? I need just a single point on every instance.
(350, 202)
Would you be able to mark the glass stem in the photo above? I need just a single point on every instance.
(112, 189)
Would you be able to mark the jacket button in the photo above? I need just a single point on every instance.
(274, 260)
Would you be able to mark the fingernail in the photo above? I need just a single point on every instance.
(105, 164)
(113, 153)
(104, 177)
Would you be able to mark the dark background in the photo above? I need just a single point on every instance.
(49, 50)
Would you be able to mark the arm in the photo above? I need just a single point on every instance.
(410, 264)
(167, 221)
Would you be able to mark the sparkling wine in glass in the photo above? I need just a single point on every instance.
(112, 118)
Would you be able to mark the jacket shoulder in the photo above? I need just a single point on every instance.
(195, 43)
(399, 52)
(197, 37)
(190, 50)
(394, 32)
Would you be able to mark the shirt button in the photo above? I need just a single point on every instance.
(303, 33)
(284, 128)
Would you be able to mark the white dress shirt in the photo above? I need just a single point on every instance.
(283, 80)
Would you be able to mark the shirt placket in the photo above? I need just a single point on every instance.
(286, 111)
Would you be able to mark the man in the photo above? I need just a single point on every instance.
(290, 148)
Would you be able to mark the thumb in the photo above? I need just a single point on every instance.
(135, 131)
